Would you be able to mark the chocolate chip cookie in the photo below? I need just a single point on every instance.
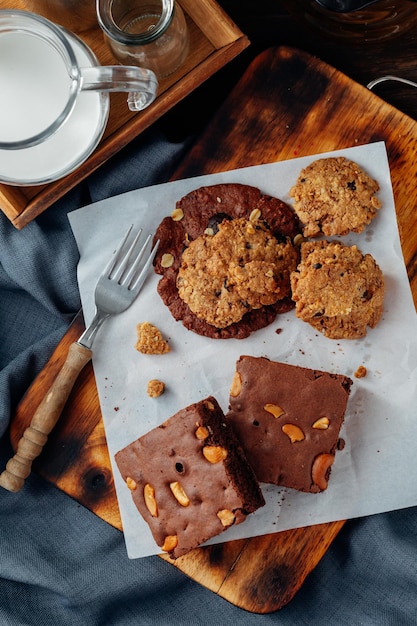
(334, 196)
(240, 268)
(337, 289)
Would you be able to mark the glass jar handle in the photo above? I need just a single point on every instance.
(141, 83)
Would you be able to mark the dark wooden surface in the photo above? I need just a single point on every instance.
(267, 23)
(287, 103)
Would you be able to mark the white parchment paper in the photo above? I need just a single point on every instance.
(376, 471)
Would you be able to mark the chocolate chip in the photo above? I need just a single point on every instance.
(217, 219)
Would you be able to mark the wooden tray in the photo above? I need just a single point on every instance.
(287, 104)
(214, 41)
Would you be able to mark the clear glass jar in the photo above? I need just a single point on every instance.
(146, 33)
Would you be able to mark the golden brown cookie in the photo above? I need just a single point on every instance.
(337, 289)
(200, 212)
(239, 268)
(334, 196)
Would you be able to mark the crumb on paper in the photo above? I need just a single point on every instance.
(340, 444)
(150, 340)
(155, 388)
(360, 372)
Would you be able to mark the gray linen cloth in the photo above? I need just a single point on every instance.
(60, 565)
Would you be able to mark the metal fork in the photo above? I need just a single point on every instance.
(116, 289)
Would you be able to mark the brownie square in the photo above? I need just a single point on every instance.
(189, 478)
(288, 421)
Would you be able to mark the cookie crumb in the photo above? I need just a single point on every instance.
(360, 372)
(155, 388)
(150, 340)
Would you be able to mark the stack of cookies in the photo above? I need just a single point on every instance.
(232, 258)
(226, 255)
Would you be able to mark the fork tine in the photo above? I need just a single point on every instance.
(123, 263)
(137, 284)
(115, 256)
(131, 271)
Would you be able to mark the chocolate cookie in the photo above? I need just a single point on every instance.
(337, 290)
(288, 420)
(334, 196)
(200, 213)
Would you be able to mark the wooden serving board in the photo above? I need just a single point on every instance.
(287, 104)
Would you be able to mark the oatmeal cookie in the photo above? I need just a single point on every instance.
(201, 212)
(241, 267)
(337, 289)
(334, 196)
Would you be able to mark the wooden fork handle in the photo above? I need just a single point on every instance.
(44, 419)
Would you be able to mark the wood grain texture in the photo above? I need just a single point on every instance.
(290, 104)
(287, 104)
(271, 22)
